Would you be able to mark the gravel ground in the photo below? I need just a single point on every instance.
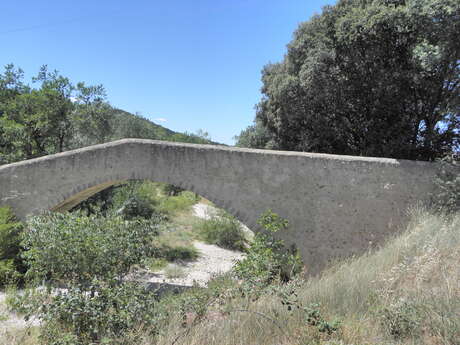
(212, 261)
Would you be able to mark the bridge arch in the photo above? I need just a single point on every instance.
(82, 192)
(336, 205)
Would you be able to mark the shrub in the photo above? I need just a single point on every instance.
(267, 258)
(76, 249)
(136, 207)
(11, 266)
(91, 256)
(106, 316)
(177, 253)
(223, 230)
(172, 190)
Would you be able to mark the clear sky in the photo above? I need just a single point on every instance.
(185, 64)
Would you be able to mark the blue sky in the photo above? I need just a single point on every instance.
(186, 65)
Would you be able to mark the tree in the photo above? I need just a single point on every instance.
(255, 136)
(374, 78)
(93, 115)
(53, 117)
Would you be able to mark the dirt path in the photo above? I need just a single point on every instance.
(212, 261)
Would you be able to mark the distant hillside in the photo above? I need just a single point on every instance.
(127, 125)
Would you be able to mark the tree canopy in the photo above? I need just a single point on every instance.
(366, 77)
(55, 115)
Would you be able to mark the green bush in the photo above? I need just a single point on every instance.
(108, 316)
(177, 253)
(223, 230)
(171, 190)
(91, 257)
(268, 259)
(136, 207)
(76, 249)
(11, 266)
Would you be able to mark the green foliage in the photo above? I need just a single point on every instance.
(9, 273)
(172, 190)
(76, 249)
(255, 136)
(447, 196)
(108, 316)
(11, 265)
(223, 230)
(373, 78)
(400, 319)
(174, 204)
(59, 115)
(177, 253)
(314, 318)
(267, 258)
(136, 207)
(91, 256)
(40, 121)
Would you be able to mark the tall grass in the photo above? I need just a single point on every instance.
(407, 292)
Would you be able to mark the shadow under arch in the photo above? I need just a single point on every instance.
(83, 192)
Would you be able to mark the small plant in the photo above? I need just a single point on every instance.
(400, 319)
(171, 190)
(267, 258)
(174, 272)
(223, 230)
(173, 204)
(314, 318)
(177, 253)
(312, 312)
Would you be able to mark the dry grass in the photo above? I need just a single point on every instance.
(408, 292)
(19, 336)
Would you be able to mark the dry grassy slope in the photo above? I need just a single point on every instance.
(408, 292)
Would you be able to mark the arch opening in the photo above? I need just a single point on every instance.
(189, 231)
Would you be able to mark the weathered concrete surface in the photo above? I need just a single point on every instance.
(336, 205)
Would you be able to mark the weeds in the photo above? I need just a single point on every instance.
(223, 230)
(173, 271)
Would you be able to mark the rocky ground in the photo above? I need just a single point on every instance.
(212, 261)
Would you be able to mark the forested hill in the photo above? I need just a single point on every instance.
(127, 125)
(52, 115)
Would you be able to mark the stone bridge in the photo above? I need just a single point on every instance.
(336, 205)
